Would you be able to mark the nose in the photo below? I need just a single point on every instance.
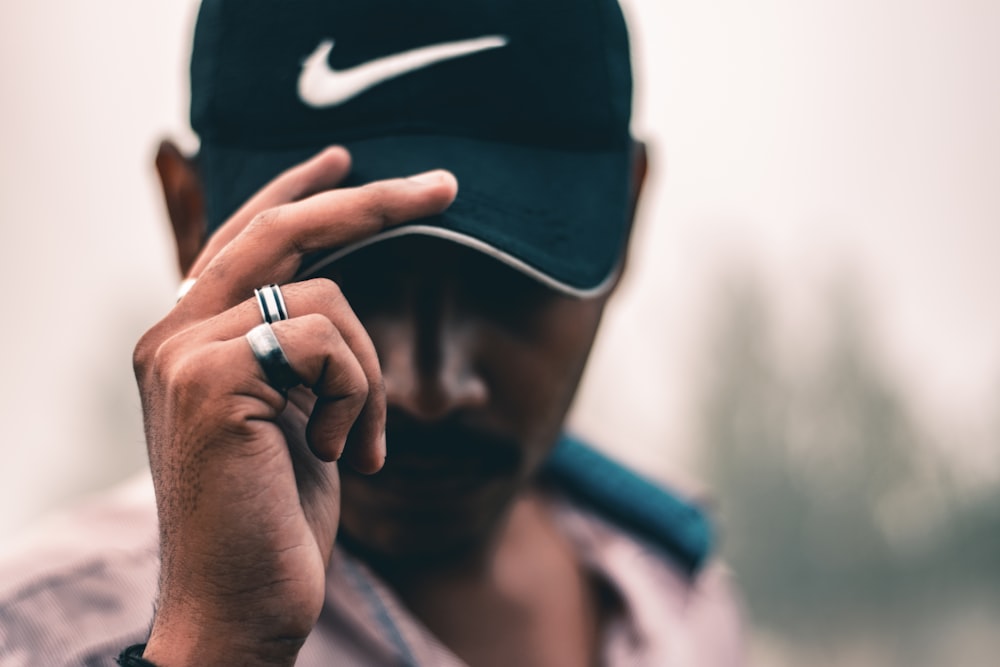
(428, 360)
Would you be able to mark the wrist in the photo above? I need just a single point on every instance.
(197, 643)
(132, 657)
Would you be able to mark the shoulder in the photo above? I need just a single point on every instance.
(677, 526)
(80, 585)
(654, 547)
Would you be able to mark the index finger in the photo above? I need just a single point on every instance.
(321, 172)
(271, 247)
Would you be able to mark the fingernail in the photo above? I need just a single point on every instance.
(432, 177)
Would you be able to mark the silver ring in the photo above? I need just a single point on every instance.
(271, 357)
(271, 303)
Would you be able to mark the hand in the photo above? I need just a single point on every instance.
(247, 491)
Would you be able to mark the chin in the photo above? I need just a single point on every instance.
(405, 550)
(421, 536)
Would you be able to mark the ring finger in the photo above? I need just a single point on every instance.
(323, 298)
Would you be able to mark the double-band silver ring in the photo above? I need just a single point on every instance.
(272, 303)
(271, 358)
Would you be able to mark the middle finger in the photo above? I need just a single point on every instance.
(270, 249)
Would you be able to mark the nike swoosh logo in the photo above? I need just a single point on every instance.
(322, 86)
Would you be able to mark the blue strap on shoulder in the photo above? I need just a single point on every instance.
(631, 500)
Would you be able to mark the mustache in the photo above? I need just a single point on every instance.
(451, 440)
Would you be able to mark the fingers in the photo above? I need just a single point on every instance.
(271, 247)
(331, 351)
(322, 358)
(321, 172)
(265, 242)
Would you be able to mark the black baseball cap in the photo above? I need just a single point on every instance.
(527, 102)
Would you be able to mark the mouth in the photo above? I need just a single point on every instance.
(443, 465)
(443, 485)
(449, 447)
(436, 485)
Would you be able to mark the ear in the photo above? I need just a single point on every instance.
(185, 201)
(640, 164)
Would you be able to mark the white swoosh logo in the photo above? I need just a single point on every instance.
(322, 86)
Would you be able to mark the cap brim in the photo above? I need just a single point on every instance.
(559, 216)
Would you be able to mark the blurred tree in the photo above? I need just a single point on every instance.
(839, 522)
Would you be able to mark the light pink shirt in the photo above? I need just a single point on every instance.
(82, 586)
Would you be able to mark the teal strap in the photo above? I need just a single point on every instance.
(632, 501)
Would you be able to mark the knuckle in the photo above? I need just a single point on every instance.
(272, 226)
(179, 370)
(265, 220)
(347, 384)
(374, 201)
(142, 355)
(354, 401)
(183, 372)
(150, 355)
(357, 385)
(323, 290)
(319, 327)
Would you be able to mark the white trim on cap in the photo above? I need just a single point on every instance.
(470, 242)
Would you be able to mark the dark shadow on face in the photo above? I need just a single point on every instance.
(476, 358)
(481, 364)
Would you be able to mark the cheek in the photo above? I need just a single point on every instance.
(533, 371)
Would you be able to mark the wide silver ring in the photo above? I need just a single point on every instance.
(271, 358)
(271, 303)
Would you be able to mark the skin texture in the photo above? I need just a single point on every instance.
(464, 366)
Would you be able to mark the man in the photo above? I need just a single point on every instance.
(415, 214)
